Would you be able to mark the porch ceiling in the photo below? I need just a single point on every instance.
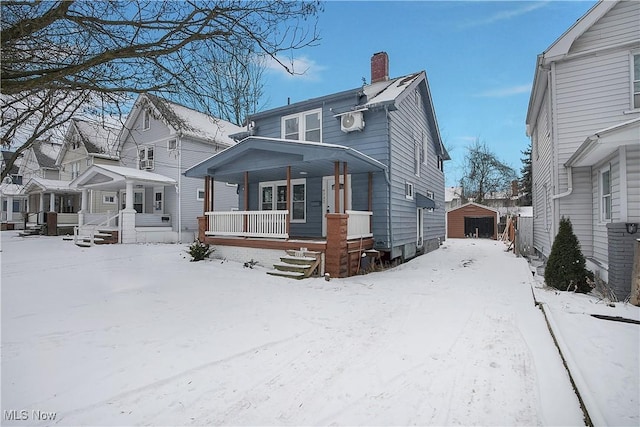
(600, 145)
(113, 178)
(266, 159)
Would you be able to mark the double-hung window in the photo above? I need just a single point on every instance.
(273, 196)
(306, 126)
(605, 194)
(75, 170)
(636, 81)
(146, 120)
(145, 158)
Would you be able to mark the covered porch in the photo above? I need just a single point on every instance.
(293, 195)
(52, 203)
(139, 198)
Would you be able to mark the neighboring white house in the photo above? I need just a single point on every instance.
(584, 124)
(159, 141)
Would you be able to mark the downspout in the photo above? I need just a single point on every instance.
(387, 177)
(179, 188)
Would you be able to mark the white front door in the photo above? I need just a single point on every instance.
(329, 199)
(158, 200)
(420, 228)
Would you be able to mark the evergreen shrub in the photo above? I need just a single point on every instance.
(566, 267)
(199, 251)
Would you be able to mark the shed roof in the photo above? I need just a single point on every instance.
(472, 204)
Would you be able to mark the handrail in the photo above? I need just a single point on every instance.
(93, 227)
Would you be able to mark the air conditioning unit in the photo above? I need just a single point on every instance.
(352, 121)
(146, 164)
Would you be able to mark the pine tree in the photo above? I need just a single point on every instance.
(566, 266)
(525, 180)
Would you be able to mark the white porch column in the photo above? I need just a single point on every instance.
(128, 216)
(52, 202)
(41, 209)
(9, 207)
(83, 206)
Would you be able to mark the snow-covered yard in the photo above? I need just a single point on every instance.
(137, 334)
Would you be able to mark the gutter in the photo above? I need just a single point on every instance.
(387, 176)
(569, 185)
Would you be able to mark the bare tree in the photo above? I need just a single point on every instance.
(83, 57)
(484, 173)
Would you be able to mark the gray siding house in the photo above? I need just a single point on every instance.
(379, 143)
(158, 141)
(584, 125)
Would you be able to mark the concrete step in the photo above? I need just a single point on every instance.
(287, 274)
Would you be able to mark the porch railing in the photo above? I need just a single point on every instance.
(271, 224)
(359, 224)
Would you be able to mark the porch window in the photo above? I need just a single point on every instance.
(306, 126)
(636, 81)
(273, 196)
(145, 158)
(200, 194)
(109, 199)
(605, 194)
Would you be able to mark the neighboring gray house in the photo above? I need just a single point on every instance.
(584, 124)
(379, 142)
(12, 200)
(159, 140)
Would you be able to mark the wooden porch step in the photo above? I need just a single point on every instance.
(83, 244)
(297, 260)
(67, 237)
(287, 274)
(285, 266)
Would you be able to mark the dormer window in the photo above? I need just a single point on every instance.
(306, 126)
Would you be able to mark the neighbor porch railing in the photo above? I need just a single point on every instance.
(359, 224)
(271, 224)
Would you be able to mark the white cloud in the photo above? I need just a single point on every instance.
(302, 68)
(506, 14)
(504, 92)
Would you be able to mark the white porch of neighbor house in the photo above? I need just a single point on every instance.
(51, 202)
(135, 221)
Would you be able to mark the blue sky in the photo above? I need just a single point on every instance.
(479, 57)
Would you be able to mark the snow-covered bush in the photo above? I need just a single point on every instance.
(199, 251)
(566, 268)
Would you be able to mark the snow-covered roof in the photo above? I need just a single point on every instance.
(384, 92)
(7, 189)
(98, 138)
(38, 183)
(526, 211)
(114, 177)
(46, 153)
(194, 123)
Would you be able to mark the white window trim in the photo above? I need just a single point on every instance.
(175, 140)
(301, 124)
(274, 185)
(146, 149)
(198, 191)
(603, 195)
(146, 119)
(109, 202)
(409, 190)
(632, 56)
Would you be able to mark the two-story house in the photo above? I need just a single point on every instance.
(584, 124)
(338, 175)
(12, 200)
(158, 141)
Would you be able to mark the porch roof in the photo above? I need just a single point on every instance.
(112, 178)
(266, 159)
(40, 185)
(604, 142)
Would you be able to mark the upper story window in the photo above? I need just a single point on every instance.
(75, 170)
(408, 190)
(605, 194)
(306, 126)
(172, 144)
(146, 120)
(636, 80)
(145, 158)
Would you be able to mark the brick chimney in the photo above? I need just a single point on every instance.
(379, 67)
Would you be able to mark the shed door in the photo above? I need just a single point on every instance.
(484, 226)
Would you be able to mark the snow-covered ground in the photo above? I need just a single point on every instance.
(137, 334)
